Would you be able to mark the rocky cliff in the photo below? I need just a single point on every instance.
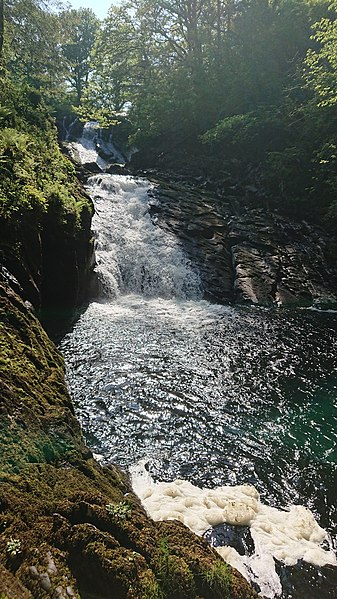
(247, 254)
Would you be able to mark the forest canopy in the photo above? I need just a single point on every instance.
(242, 92)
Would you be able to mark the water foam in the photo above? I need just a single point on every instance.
(133, 255)
(287, 535)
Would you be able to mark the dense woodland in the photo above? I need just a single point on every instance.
(241, 93)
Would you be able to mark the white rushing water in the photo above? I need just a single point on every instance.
(86, 149)
(132, 254)
(152, 319)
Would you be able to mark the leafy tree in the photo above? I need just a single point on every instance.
(79, 30)
(154, 57)
(321, 61)
(31, 43)
(117, 63)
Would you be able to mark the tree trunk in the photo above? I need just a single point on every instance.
(1, 25)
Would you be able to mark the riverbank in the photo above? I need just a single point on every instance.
(246, 254)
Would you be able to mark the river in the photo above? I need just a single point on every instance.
(237, 403)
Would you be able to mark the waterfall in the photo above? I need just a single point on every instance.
(92, 148)
(133, 255)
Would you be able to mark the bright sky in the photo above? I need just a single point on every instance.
(100, 7)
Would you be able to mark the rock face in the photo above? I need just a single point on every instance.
(50, 259)
(248, 255)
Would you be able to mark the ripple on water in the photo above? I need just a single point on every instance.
(212, 394)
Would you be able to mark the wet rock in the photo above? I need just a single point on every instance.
(284, 263)
(92, 167)
(117, 169)
(45, 582)
(247, 255)
(33, 572)
(51, 567)
(303, 579)
(227, 535)
(59, 593)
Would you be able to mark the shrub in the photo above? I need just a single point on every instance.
(219, 579)
(120, 511)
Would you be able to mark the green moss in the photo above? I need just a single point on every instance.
(173, 574)
(36, 178)
(219, 579)
(36, 424)
(149, 587)
(44, 213)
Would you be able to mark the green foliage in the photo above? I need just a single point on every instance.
(31, 44)
(226, 127)
(150, 589)
(13, 547)
(321, 61)
(219, 578)
(18, 191)
(117, 67)
(119, 511)
(35, 177)
(79, 29)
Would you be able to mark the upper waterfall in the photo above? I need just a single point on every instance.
(92, 147)
(133, 255)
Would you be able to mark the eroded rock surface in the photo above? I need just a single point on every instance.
(248, 255)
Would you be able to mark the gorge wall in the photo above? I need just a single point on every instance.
(245, 253)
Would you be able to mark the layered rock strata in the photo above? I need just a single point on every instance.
(248, 255)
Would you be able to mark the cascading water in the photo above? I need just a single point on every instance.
(134, 256)
(241, 402)
(91, 147)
